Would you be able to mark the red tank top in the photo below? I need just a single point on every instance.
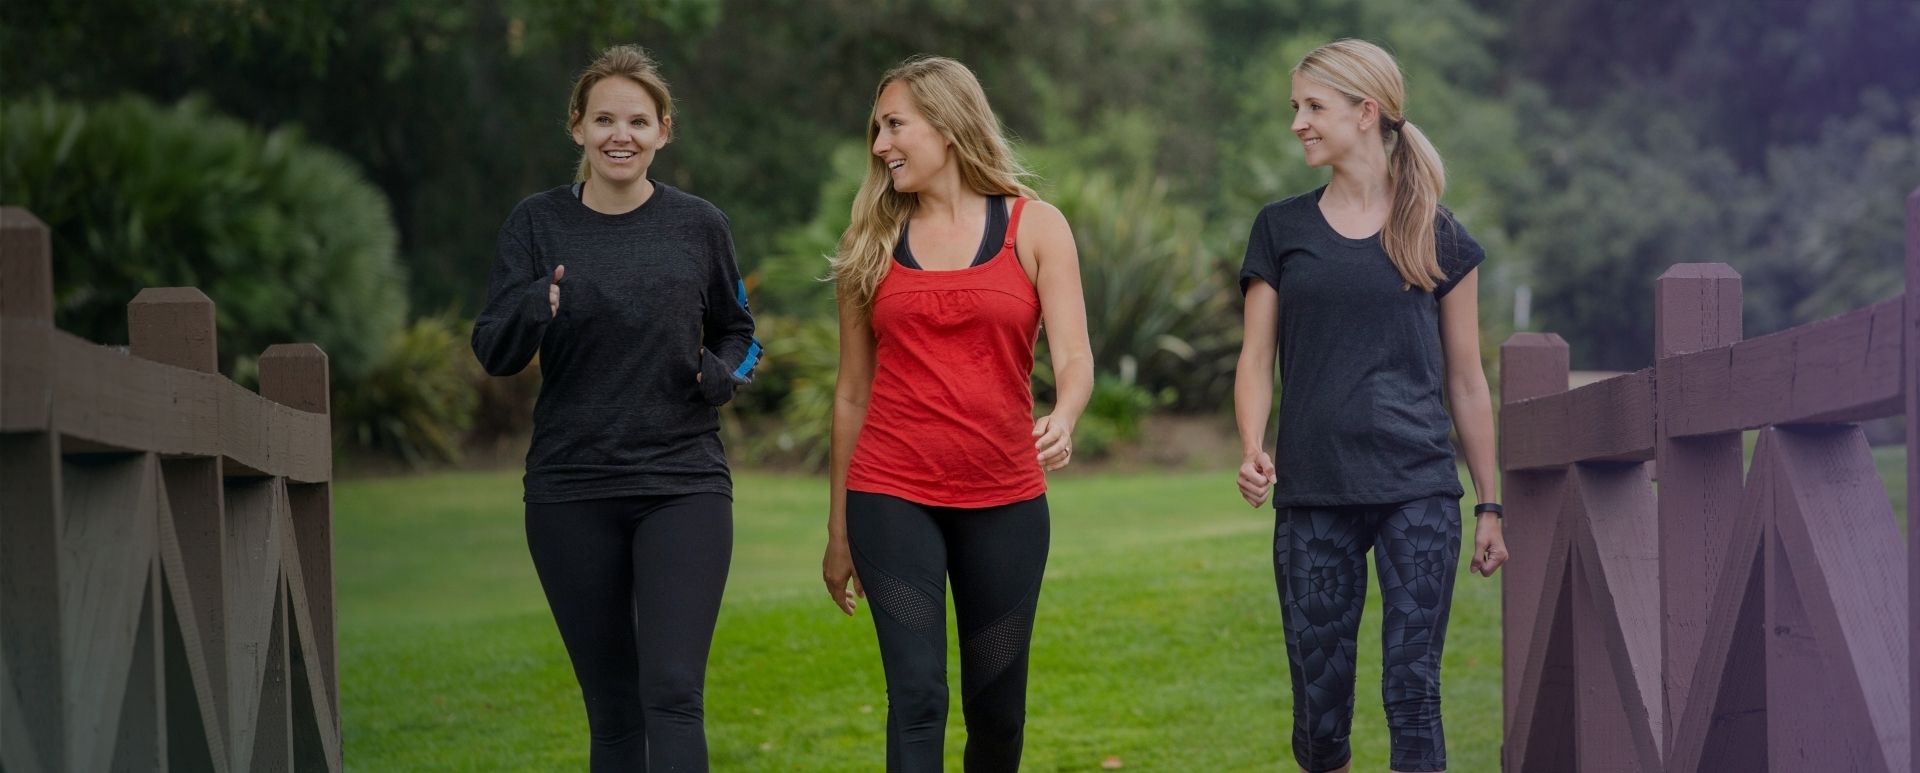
(950, 418)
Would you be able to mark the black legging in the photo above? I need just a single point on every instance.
(1320, 566)
(635, 584)
(904, 552)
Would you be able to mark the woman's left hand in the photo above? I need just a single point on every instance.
(1053, 438)
(1489, 546)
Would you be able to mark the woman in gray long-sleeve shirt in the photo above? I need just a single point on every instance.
(628, 291)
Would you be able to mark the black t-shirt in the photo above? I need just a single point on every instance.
(646, 292)
(1361, 367)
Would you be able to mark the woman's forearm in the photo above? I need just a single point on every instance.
(1472, 405)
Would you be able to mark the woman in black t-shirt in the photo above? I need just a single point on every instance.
(1366, 288)
(627, 290)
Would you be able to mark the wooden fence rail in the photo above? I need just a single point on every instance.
(1723, 619)
(166, 581)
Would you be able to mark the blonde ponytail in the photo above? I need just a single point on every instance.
(1417, 178)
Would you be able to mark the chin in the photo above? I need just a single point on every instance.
(621, 176)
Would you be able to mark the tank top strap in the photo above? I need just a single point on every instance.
(1013, 222)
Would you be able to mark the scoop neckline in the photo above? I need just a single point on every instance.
(1004, 247)
(1327, 226)
(945, 271)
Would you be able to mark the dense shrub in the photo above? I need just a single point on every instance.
(287, 238)
(417, 400)
(1162, 299)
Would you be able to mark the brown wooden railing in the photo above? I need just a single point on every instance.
(166, 581)
(1717, 620)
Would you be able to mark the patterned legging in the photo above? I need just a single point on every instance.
(1319, 561)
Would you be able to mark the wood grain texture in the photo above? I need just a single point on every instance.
(195, 737)
(30, 573)
(193, 552)
(26, 375)
(1718, 730)
(253, 577)
(273, 728)
(1846, 368)
(1616, 548)
(309, 567)
(174, 326)
(142, 742)
(154, 614)
(315, 702)
(26, 267)
(1533, 502)
(108, 540)
(1610, 420)
(1838, 591)
(1697, 309)
(117, 401)
(1541, 731)
(26, 320)
(1531, 365)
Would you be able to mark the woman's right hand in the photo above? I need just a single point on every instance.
(1257, 477)
(837, 570)
(553, 290)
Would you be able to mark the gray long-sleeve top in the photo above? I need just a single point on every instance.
(649, 298)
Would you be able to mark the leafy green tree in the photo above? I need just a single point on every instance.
(1816, 232)
(455, 109)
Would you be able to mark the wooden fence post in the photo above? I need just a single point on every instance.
(1910, 384)
(296, 375)
(31, 660)
(1697, 307)
(1539, 723)
(175, 326)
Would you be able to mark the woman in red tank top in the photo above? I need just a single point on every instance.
(939, 467)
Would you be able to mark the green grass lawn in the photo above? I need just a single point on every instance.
(1158, 639)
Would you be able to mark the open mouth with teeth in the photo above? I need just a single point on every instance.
(896, 165)
(1310, 142)
(619, 155)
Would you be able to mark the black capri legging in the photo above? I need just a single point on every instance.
(904, 552)
(635, 585)
(1320, 566)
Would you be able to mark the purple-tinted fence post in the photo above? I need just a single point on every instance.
(1911, 385)
(1531, 365)
(1697, 307)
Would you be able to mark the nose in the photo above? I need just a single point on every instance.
(1299, 121)
(881, 144)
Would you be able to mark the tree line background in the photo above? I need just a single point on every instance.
(336, 170)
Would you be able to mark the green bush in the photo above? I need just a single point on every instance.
(1160, 293)
(1116, 413)
(287, 238)
(417, 399)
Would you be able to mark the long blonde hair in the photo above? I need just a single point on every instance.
(1415, 176)
(623, 61)
(950, 98)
